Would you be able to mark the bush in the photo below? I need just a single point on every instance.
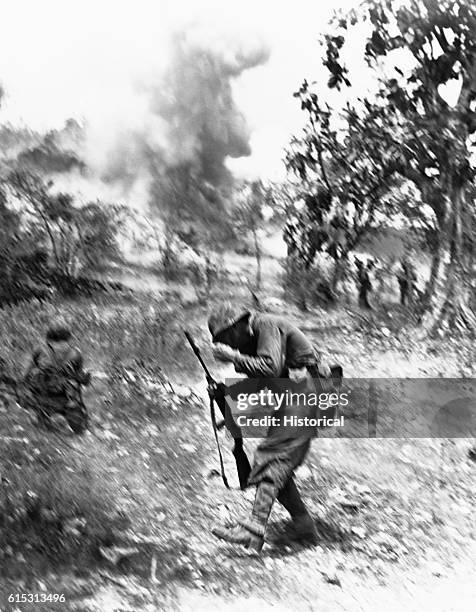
(53, 509)
(306, 286)
(57, 504)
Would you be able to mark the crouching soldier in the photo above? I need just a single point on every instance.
(53, 380)
(267, 346)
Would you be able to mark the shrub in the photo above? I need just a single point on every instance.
(53, 509)
(306, 286)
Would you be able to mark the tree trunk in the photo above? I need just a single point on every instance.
(429, 293)
(455, 312)
(338, 273)
(258, 259)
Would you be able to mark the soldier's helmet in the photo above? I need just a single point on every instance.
(58, 331)
(224, 316)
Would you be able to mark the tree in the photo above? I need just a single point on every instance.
(422, 47)
(78, 238)
(249, 217)
(22, 262)
(349, 161)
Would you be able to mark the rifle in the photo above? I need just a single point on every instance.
(243, 466)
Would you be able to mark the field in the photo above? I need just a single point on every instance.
(120, 519)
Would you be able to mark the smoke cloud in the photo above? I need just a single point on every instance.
(165, 147)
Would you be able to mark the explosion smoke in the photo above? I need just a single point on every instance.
(184, 127)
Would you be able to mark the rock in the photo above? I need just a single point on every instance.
(359, 532)
(189, 448)
(388, 543)
(422, 517)
(48, 516)
(351, 505)
(362, 490)
(304, 472)
(74, 526)
(213, 473)
(107, 435)
(182, 390)
(115, 553)
(330, 575)
(151, 430)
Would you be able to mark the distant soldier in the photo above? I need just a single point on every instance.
(365, 283)
(53, 380)
(407, 281)
(267, 346)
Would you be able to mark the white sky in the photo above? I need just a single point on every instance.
(70, 58)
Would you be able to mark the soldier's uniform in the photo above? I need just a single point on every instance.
(272, 348)
(52, 384)
(365, 285)
(407, 281)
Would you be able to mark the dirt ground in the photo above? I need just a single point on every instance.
(397, 518)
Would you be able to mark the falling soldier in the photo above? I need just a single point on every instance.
(53, 380)
(266, 346)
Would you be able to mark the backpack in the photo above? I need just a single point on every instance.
(49, 376)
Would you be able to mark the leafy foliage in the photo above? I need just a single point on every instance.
(407, 132)
(77, 238)
(349, 163)
(249, 217)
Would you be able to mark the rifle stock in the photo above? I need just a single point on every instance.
(243, 466)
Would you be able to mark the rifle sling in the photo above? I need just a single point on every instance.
(215, 431)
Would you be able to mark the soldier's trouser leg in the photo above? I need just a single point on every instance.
(77, 422)
(250, 532)
(290, 498)
(266, 493)
(403, 296)
(77, 417)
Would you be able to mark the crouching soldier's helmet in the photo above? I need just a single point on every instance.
(224, 316)
(58, 331)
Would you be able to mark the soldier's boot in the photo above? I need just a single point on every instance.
(250, 532)
(303, 524)
(76, 415)
(239, 534)
(78, 422)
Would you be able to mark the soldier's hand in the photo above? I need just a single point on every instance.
(86, 378)
(324, 370)
(223, 352)
(216, 391)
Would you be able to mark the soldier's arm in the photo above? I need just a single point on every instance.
(83, 377)
(32, 362)
(268, 362)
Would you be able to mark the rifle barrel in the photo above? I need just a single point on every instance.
(198, 355)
